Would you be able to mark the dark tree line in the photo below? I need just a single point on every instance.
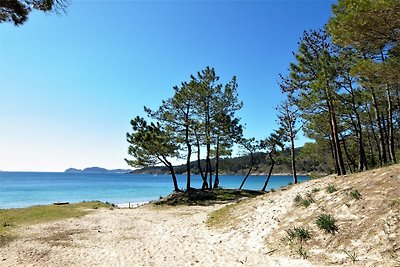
(345, 85)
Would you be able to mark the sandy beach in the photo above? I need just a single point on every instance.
(143, 236)
(252, 234)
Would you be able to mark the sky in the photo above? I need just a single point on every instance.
(70, 84)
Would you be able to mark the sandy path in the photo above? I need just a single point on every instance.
(144, 236)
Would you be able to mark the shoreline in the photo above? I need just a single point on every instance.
(131, 205)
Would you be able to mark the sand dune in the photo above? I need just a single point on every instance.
(144, 236)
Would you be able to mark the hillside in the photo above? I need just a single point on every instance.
(96, 170)
(368, 222)
(240, 165)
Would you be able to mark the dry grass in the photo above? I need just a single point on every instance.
(368, 225)
(12, 219)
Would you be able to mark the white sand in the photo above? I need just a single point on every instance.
(129, 205)
(145, 236)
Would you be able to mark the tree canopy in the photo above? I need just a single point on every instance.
(17, 11)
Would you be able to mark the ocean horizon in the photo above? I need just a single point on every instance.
(24, 189)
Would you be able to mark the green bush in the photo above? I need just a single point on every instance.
(298, 198)
(300, 233)
(327, 222)
(315, 190)
(314, 175)
(302, 252)
(330, 189)
(305, 202)
(355, 194)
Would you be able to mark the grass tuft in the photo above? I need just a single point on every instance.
(302, 252)
(352, 255)
(331, 188)
(220, 217)
(305, 202)
(327, 222)
(315, 190)
(355, 194)
(299, 233)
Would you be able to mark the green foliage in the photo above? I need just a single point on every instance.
(206, 197)
(11, 218)
(299, 233)
(315, 190)
(303, 253)
(327, 223)
(355, 22)
(314, 175)
(355, 194)
(330, 189)
(298, 198)
(351, 255)
(17, 11)
(305, 202)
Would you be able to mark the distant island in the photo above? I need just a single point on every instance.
(97, 170)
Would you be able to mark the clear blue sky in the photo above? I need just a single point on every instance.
(70, 84)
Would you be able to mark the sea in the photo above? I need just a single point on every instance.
(23, 189)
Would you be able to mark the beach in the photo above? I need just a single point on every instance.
(253, 232)
(143, 236)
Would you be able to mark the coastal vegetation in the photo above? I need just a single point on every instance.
(17, 11)
(206, 197)
(342, 91)
(10, 219)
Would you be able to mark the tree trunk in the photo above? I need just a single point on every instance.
(248, 173)
(342, 169)
(350, 160)
(292, 152)
(172, 171)
(380, 130)
(392, 152)
(189, 147)
(371, 148)
(376, 139)
(362, 161)
(270, 171)
(216, 180)
(335, 137)
(205, 184)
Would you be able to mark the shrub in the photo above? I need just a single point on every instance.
(327, 222)
(305, 202)
(298, 198)
(7, 224)
(314, 175)
(315, 190)
(272, 190)
(352, 255)
(302, 252)
(299, 233)
(290, 183)
(330, 189)
(355, 194)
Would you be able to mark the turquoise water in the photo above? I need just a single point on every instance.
(23, 189)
